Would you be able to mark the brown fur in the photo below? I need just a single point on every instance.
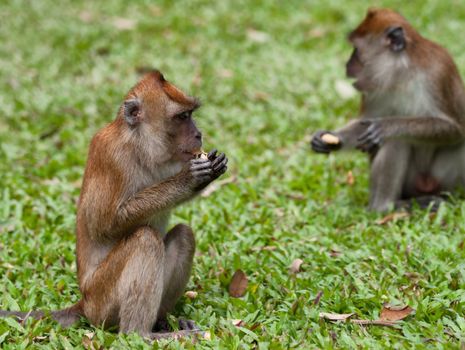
(412, 111)
(131, 269)
(127, 185)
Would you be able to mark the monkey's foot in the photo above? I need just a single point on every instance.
(161, 325)
(187, 325)
(422, 202)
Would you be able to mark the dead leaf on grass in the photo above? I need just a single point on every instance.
(238, 285)
(389, 317)
(87, 342)
(266, 248)
(374, 323)
(207, 335)
(257, 36)
(225, 73)
(395, 313)
(190, 294)
(318, 298)
(238, 323)
(350, 179)
(392, 217)
(124, 23)
(295, 266)
(334, 253)
(86, 16)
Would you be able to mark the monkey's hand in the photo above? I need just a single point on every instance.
(372, 138)
(219, 163)
(320, 145)
(203, 171)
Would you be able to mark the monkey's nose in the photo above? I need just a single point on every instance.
(198, 136)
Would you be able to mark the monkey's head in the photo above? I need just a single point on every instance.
(381, 44)
(158, 117)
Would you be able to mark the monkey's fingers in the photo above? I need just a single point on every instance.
(218, 159)
(212, 154)
(202, 172)
(373, 132)
(218, 167)
(319, 146)
(198, 164)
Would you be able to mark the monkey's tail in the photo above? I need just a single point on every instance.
(65, 317)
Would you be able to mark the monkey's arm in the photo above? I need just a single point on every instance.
(348, 137)
(431, 130)
(139, 208)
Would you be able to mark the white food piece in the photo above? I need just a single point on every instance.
(330, 139)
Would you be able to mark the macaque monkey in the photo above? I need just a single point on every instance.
(131, 269)
(412, 116)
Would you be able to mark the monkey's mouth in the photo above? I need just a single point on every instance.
(188, 155)
(191, 154)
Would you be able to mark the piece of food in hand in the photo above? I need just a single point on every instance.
(201, 155)
(330, 139)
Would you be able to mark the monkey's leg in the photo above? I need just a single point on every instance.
(127, 287)
(179, 254)
(388, 172)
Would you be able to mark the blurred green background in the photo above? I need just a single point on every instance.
(269, 74)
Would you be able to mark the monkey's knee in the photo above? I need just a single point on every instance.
(183, 236)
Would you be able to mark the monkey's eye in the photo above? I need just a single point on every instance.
(184, 115)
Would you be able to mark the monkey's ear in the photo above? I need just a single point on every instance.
(132, 111)
(396, 38)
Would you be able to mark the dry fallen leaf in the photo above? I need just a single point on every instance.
(295, 266)
(197, 80)
(374, 323)
(392, 217)
(238, 323)
(86, 16)
(225, 73)
(389, 316)
(269, 248)
(214, 186)
(336, 317)
(261, 96)
(39, 338)
(207, 335)
(257, 36)
(395, 313)
(191, 294)
(350, 179)
(238, 285)
(296, 196)
(87, 342)
(124, 23)
(318, 298)
(316, 33)
(334, 253)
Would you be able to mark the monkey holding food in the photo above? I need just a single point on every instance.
(131, 269)
(412, 115)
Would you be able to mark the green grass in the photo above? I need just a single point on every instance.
(64, 68)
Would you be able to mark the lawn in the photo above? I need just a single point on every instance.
(269, 74)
